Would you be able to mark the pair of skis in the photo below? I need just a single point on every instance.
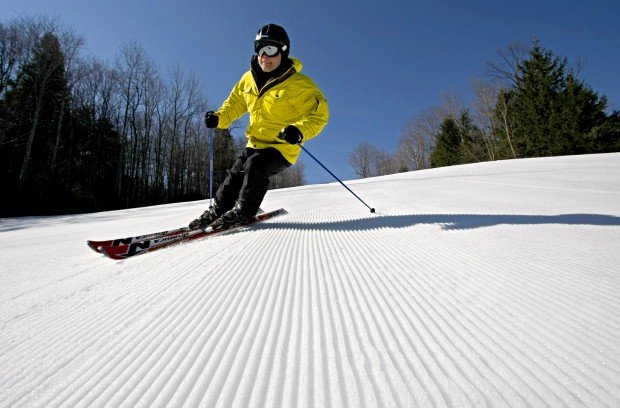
(123, 248)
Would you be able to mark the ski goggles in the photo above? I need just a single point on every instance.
(267, 49)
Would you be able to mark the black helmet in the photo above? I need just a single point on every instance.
(273, 34)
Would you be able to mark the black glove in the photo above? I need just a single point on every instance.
(291, 134)
(211, 119)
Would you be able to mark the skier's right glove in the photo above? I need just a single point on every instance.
(211, 119)
(291, 134)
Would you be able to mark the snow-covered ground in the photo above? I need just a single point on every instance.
(494, 284)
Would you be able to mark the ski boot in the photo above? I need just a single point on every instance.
(205, 219)
(232, 218)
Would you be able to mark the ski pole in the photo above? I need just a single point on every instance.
(210, 131)
(372, 210)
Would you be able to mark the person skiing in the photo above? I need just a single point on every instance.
(286, 109)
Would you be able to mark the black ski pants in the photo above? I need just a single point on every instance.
(247, 180)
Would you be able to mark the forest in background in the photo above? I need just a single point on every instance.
(78, 134)
(531, 103)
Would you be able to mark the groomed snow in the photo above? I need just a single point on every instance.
(487, 285)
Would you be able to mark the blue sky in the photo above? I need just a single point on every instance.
(379, 62)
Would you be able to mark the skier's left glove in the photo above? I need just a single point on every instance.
(291, 134)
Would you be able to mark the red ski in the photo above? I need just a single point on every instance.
(124, 251)
(96, 245)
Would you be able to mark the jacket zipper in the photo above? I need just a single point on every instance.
(275, 81)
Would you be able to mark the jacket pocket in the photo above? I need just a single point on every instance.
(280, 103)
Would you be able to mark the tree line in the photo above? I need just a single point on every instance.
(532, 103)
(80, 134)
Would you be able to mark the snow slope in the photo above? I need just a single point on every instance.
(494, 284)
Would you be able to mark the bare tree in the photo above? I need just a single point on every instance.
(418, 137)
(484, 112)
(187, 105)
(135, 71)
(95, 87)
(162, 139)
(385, 163)
(361, 159)
(506, 69)
(491, 109)
(71, 44)
(12, 50)
(94, 92)
(18, 40)
(47, 62)
(292, 177)
(123, 117)
(504, 123)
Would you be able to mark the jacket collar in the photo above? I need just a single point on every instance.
(266, 80)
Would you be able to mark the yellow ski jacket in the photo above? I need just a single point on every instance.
(290, 99)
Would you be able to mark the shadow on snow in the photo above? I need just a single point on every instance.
(447, 221)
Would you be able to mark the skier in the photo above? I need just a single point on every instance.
(286, 108)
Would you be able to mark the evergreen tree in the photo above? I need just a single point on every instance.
(550, 112)
(458, 142)
(33, 121)
(447, 150)
(579, 110)
(472, 142)
(90, 172)
(605, 136)
(539, 84)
